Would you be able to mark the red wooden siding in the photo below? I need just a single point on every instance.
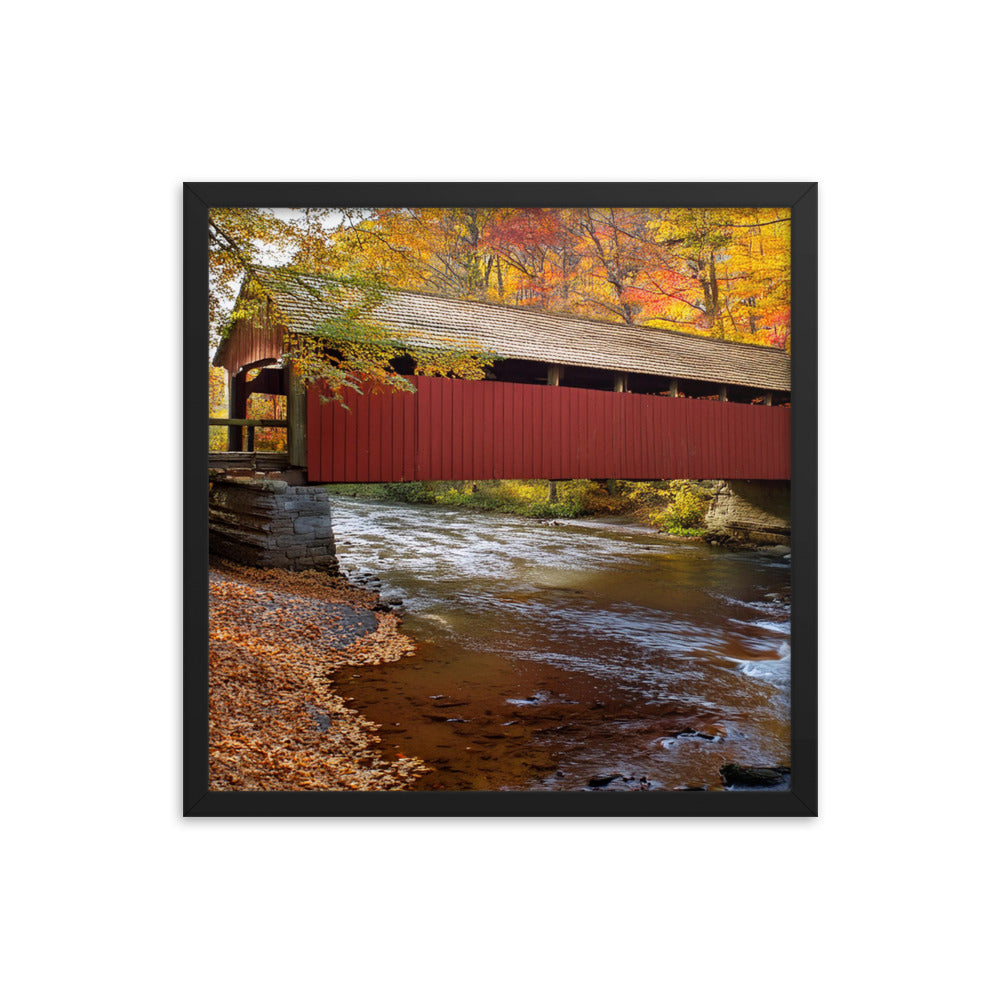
(257, 338)
(452, 429)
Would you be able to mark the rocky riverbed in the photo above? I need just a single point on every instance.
(276, 642)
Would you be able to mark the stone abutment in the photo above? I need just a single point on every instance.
(750, 513)
(266, 522)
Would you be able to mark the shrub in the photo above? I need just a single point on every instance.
(685, 513)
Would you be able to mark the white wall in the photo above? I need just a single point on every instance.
(110, 893)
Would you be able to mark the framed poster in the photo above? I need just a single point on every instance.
(496, 511)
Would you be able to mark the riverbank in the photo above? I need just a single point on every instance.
(276, 643)
(676, 507)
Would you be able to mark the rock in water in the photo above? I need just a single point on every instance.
(601, 780)
(753, 777)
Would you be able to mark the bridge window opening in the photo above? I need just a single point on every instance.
(588, 378)
(741, 394)
(524, 372)
(404, 365)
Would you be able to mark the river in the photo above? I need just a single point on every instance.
(550, 655)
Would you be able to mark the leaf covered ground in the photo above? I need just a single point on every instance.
(276, 641)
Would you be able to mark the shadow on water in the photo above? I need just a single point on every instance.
(549, 655)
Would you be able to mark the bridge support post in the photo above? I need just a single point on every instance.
(296, 418)
(237, 408)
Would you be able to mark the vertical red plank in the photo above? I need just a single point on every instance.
(324, 437)
(557, 446)
(421, 440)
(576, 434)
(499, 432)
(649, 437)
(725, 441)
(718, 415)
(664, 432)
(437, 428)
(599, 436)
(538, 469)
(653, 441)
(512, 446)
(336, 443)
(350, 441)
(493, 394)
(528, 464)
(453, 456)
(363, 410)
(580, 431)
(748, 430)
(547, 444)
(637, 416)
(453, 451)
(700, 425)
(396, 463)
(622, 421)
(761, 432)
(408, 435)
(326, 417)
(371, 435)
(633, 417)
(564, 442)
(743, 433)
(385, 446)
(583, 430)
(786, 439)
(527, 439)
(693, 407)
(768, 450)
(501, 435)
(513, 443)
(479, 456)
(617, 448)
(712, 426)
(490, 402)
(434, 431)
(544, 428)
(460, 406)
(466, 390)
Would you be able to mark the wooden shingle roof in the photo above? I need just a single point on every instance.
(431, 321)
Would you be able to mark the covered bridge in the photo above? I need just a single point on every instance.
(566, 398)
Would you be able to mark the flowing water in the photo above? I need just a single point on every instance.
(553, 654)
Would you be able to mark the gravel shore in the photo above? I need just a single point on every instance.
(276, 641)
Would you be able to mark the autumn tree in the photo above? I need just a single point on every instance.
(348, 347)
(717, 272)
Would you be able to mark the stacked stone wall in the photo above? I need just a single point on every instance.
(750, 513)
(269, 523)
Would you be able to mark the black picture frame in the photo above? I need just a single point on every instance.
(802, 797)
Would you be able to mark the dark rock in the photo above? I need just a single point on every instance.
(602, 780)
(753, 777)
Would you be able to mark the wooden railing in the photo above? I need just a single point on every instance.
(250, 425)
